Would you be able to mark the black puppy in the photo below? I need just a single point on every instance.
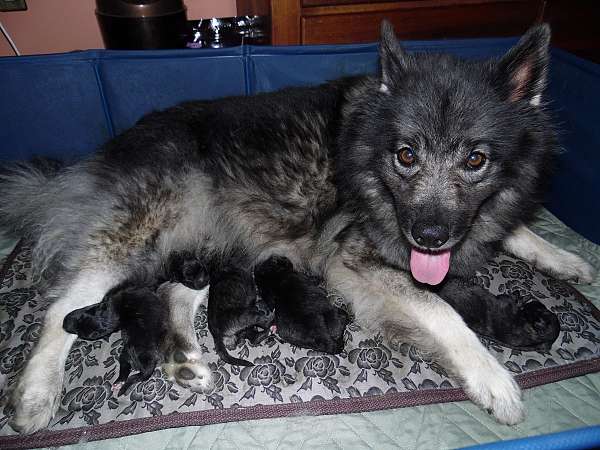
(304, 316)
(508, 319)
(234, 310)
(142, 318)
(134, 308)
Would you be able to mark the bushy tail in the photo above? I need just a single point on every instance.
(23, 195)
(30, 201)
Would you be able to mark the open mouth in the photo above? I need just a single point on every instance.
(429, 267)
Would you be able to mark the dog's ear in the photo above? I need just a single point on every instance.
(392, 58)
(522, 71)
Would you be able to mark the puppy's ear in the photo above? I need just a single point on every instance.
(392, 58)
(523, 70)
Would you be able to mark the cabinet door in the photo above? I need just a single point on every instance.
(424, 19)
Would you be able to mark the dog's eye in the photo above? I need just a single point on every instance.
(475, 160)
(406, 156)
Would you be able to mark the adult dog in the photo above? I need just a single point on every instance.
(371, 182)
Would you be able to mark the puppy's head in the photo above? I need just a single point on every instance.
(92, 322)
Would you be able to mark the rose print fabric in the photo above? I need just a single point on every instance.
(282, 374)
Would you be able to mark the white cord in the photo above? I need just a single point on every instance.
(10, 41)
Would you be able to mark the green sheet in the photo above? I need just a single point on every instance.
(555, 407)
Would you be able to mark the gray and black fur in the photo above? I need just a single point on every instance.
(311, 173)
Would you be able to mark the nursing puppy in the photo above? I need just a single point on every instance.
(382, 185)
(142, 318)
(518, 324)
(138, 312)
(234, 311)
(304, 316)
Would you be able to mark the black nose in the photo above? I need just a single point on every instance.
(430, 235)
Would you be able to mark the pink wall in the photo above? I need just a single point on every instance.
(50, 26)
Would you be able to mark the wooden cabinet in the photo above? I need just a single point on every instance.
(576, 23)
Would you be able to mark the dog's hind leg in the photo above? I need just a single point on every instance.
(559, 263)
(386, 299)
(37, 393)
(184, 355)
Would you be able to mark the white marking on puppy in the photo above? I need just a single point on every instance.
(37, 394)
(555, 261)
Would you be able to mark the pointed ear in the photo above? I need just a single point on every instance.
(391, 57)
(522, 71)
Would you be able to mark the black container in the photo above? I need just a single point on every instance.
(142, 24)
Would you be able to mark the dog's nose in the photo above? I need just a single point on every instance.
(430, 235)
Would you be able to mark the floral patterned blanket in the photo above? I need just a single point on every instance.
(285, 380)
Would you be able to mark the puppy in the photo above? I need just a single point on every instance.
(186, 268)
(142, 318)
(134, 308)
(304, 317)
(234, 311)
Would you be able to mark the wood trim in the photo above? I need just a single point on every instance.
(394, 6)
(306, 3)
(285, 22)
(293, 22)
(432, 23)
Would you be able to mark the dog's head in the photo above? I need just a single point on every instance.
(446, 155)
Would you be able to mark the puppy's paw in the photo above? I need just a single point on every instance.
(186, 368)
(35, 400)
(493, 388)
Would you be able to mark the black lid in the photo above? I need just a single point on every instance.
(138, 8)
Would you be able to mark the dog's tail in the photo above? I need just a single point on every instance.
(23, 188)
(225, 356)
(38, 200)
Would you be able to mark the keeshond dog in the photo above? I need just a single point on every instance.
(383, 185)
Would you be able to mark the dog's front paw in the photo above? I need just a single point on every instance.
(571, 267)
(495, 390)
(35, 401)
(185, 367)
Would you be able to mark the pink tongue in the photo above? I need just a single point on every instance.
(430, 268)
